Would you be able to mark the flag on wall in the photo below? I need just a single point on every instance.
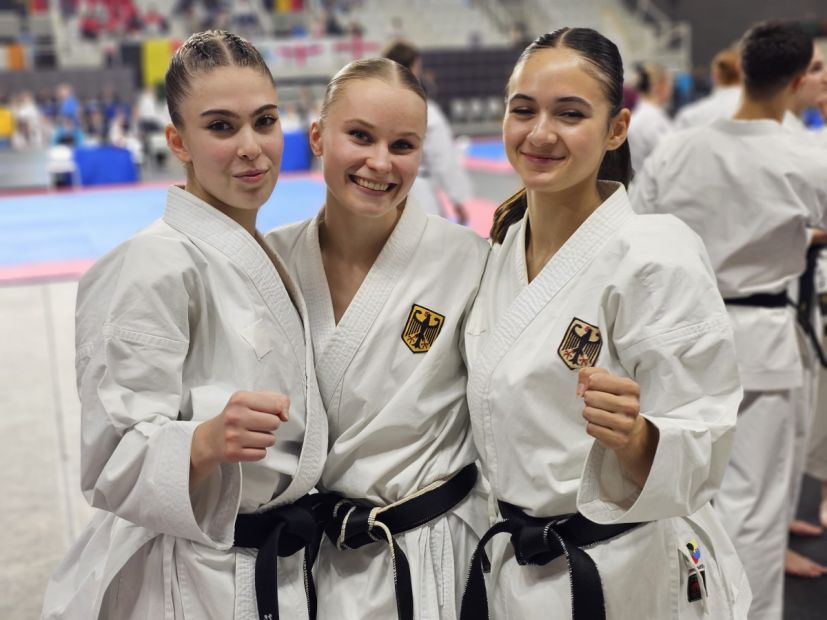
(155, 57)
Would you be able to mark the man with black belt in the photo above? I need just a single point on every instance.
(750, 189)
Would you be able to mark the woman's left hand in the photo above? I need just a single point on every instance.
(612, 413)
(612, 407)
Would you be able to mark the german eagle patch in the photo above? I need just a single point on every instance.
(422, 328)
(581, 345)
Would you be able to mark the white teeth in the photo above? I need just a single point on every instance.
(377, 187)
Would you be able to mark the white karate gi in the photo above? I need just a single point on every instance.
(441, 168)
(169, 325)
(750, 190)
(806, 398)
(398, 419)
(645, 282)
(720, 103)
(648, 126)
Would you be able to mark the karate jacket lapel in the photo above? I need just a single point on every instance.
(198, 220)
(345, 338)
(575, 254)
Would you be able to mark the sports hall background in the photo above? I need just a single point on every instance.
(83, 166)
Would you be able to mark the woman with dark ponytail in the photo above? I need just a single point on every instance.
(602, 385)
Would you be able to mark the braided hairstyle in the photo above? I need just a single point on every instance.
(201, 53)
(605, 65)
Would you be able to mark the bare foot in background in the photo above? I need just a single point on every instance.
(823, 509)
(799, 566)
(804, 528)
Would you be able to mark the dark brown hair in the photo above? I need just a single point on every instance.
(773, 54)
(201, 53)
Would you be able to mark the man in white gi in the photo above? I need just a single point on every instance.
(813, 89)
(751, 190)
(722, 101)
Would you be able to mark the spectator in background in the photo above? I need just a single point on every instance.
(154, 21)
(723, 100)
(650, 123)
(90, 24)
(67, 133)
(440, 169)
(68, 105)
(246, 19)
(112, 103)
(29, 121)
(396, 29)
(332, 27)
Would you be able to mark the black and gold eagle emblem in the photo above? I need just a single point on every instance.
(581, 345)
(422, 328)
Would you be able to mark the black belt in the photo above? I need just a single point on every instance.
(352, 523)
(804, 307)
(280, 532)
(807, 299)
(539, 541)
(763, 300)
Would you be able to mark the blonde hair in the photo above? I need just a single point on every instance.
(376, 68)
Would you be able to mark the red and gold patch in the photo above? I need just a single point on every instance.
(581, 345)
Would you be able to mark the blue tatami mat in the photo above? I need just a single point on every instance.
(46, 228)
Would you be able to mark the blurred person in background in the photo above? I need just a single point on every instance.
(68, 106)
(812, 90)
(650, 123)
(32, 128)
(753, 191)
(722, 102)
(441, 169)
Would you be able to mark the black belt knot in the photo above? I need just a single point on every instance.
(538, 541)
(534, 542)
(353, 523)
(280, 532)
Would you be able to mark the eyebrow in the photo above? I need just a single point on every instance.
(360, 121)
(569, 99)
(265, 108)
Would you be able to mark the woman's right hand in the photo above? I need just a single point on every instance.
(241, 432)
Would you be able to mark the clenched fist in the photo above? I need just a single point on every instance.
(241, 432)
(611, 408)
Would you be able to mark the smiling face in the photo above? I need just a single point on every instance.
(229, 139)
(557, 127)
(370, 141)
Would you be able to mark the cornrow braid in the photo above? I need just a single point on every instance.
(201, 53)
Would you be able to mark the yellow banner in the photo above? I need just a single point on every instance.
(155, 57)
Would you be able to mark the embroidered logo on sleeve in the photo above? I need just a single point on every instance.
(422, 328)
(581, 345)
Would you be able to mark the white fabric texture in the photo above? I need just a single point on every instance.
(646, 284)
(398, 419)
(169, 325)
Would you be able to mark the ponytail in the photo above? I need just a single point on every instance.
(509, 212)
(617, 165)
